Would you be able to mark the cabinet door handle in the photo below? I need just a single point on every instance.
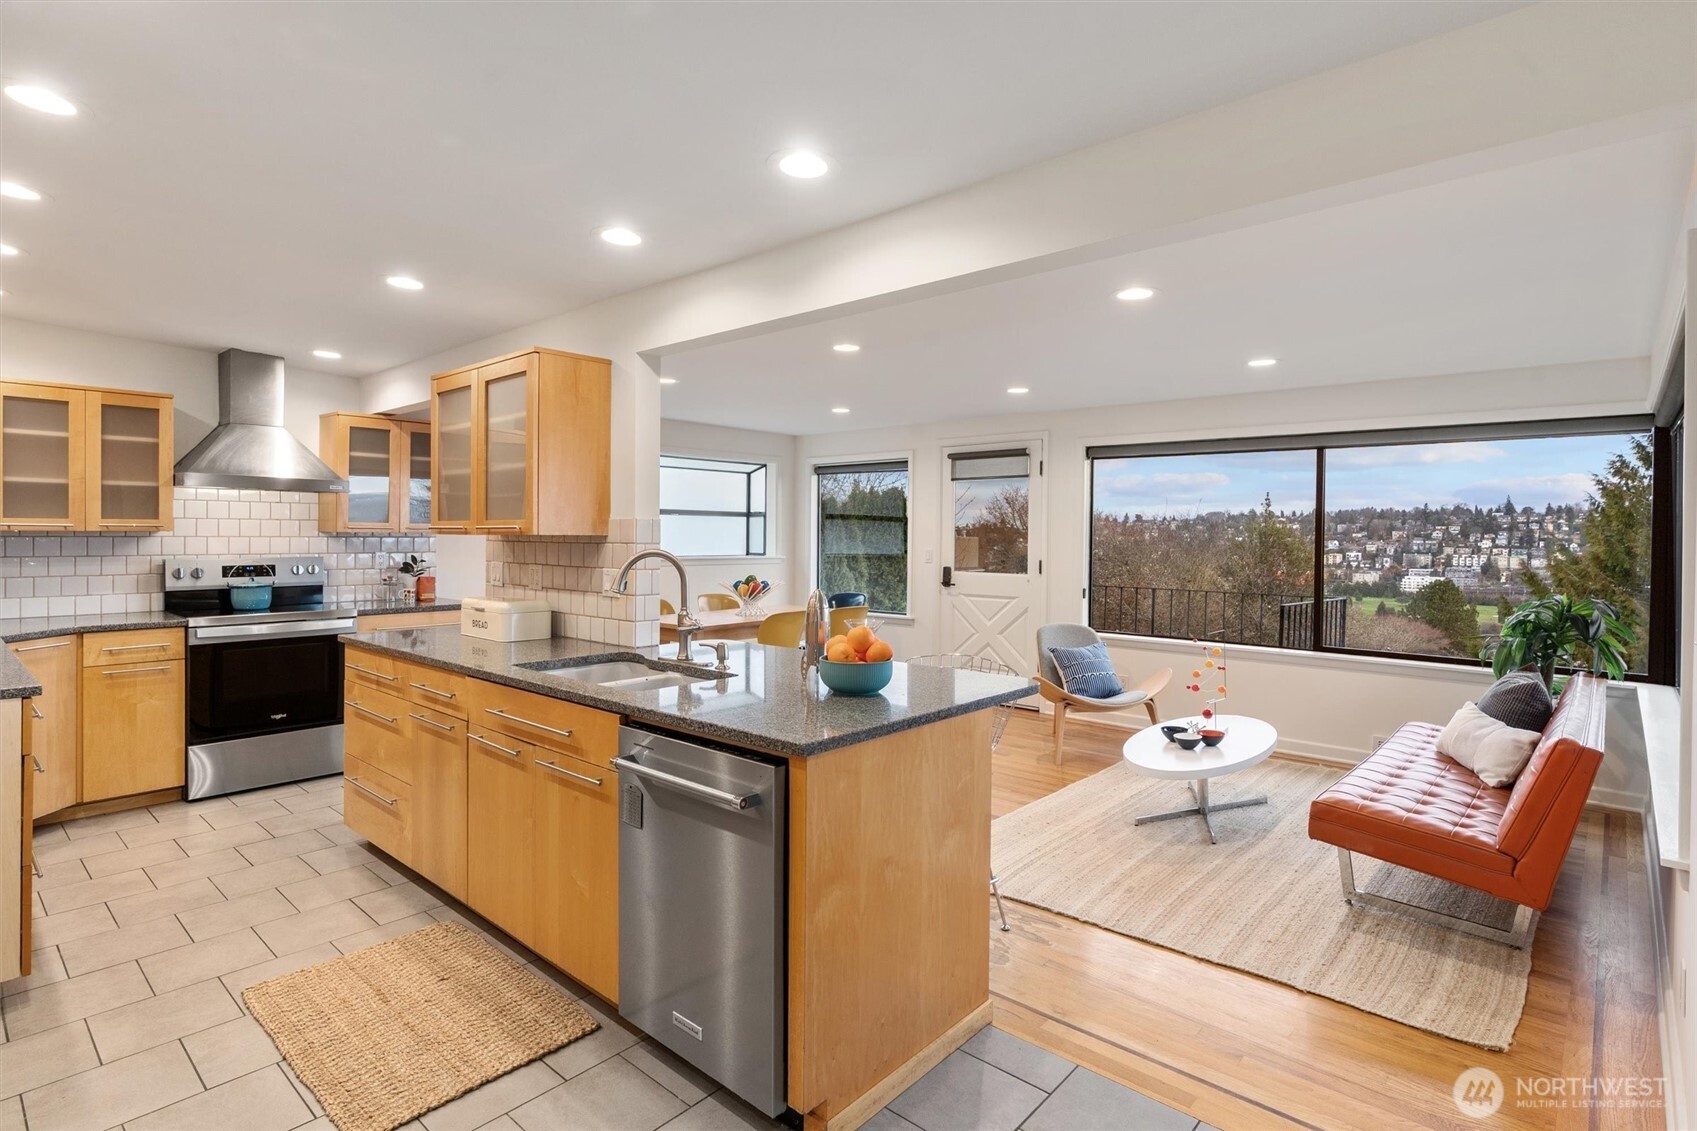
(35, 711)
(569, 773)
(428, 690)
(357, 784)
(431, 722)
(443, 526)
(133, 647)
(131, 525)
(136, 671)
(37, 762)
(478, 738)
(54, 525)
(369, 672)
(364, 710)
(39, 647)
(499, 526)
(498, 713)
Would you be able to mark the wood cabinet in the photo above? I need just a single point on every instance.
(78, 458)
(51, 720)
(500, 832)
(438, 789)
(16, 774)
(522, 445)
(387, 465)
(130, 699)
(575, 813)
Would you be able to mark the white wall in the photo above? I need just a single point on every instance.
(1326, 706)
(706, 575)
(35, 351)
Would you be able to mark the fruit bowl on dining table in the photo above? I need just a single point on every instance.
(749, 591)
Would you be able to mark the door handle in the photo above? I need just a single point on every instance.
(431, 722)
(499, 526)
(428, 690)
(478, 738)
(706, 792)
(948, 576)
(357, 784)
(526, 722)
(39, 647)
(360, 707)
(133, 647)
(369, 672)
(35, 711)
(136, 671)
(596, 782)
(37, 762)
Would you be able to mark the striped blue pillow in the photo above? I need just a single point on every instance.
(1087, 672)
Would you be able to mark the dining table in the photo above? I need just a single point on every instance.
(723, 624)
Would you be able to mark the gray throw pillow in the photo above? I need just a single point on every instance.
(1520, 700)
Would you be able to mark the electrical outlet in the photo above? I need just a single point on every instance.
(1379, 740)
(497, 573)
(928, 556)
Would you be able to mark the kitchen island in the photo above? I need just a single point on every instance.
(888, 842)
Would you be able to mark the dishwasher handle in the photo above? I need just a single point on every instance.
(695, 789)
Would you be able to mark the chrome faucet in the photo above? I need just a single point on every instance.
(688, 626)
(814, 624)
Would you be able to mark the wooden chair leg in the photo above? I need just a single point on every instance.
(1149, 705)
(1060, 729)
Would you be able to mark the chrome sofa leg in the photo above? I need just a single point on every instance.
(996, 890)
(1518, 935)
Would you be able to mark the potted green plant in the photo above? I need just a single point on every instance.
(1554, 631)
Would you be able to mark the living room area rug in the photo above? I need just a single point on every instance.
(1265, 899)
(385, 1034)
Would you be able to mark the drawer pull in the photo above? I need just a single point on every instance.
(357, 784)
(516, 719)
(37, 762)
(499, 526)
(369, 672)
(428, 690)
(39, 647)
(136, 671)
(364, 710)
(133, 647)
(478, 738)
(54, 525)
(35, 711)
(431, 722)
(569, 773)
(131, 525)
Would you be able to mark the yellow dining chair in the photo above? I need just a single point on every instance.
(666, 609)
(840, 618)
(782, 629)
(714, 602)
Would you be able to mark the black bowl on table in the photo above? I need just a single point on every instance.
(1188, 740)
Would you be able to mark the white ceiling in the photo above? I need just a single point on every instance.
(1553, 261)
(246, 174)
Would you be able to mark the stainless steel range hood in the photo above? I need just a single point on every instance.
(250, 448)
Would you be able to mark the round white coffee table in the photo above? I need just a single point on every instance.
(1247, 742)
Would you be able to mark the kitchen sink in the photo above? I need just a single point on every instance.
(631, 675)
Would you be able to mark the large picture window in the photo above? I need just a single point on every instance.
(863, 532)
(1425, 539)
(712, 507)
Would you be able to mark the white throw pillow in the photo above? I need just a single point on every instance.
(1494, 750)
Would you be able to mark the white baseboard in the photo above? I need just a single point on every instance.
(1667, 991)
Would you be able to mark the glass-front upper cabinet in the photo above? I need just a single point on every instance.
(371, 480)
(129, 455)
(42, 464)
(415, 475)
(451, 474)
(504, 404)
(387, 464)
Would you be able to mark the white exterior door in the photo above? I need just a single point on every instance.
(991, 580)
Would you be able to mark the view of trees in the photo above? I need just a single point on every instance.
(991, 521)
(863, 535)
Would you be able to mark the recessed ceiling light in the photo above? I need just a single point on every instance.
(803, 164)
(1135, 294)
(668, 380)
(846, 347)
(404, 283)
(8, 249)
(1018, 390)
(18, 192)
(1262, 362)
(40, 98)
(327, 355)
(623, 237)
(840, 411)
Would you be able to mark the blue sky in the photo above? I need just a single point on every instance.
(1475, 473)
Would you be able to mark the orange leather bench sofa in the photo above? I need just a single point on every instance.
(1412, 806)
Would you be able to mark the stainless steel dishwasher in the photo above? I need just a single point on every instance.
(702, 872)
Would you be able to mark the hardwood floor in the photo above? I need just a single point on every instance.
(1238, 1051)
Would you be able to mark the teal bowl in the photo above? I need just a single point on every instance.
(856, 679)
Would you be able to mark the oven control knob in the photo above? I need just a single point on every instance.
(313, 568)
(297, 569)
(197, 573)
(178, 573)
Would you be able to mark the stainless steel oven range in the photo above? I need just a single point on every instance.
(264, 671)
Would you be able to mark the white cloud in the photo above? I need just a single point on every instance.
(1569, 487)
(1413, 455)
(1164, 483)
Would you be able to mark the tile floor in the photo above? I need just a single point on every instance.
(150, 923)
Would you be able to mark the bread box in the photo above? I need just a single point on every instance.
(489, 619)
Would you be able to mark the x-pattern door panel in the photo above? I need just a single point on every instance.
(991, 546)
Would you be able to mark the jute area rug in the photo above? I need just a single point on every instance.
(1266, 899)
(385, 1034)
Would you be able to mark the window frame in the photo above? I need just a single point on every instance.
(825, 465)
(748, 514)
(1661, 645)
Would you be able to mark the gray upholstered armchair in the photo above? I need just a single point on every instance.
(1050, 686)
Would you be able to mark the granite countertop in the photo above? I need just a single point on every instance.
(14, 629)
(764, 704)
(16, 682)
(376, 606)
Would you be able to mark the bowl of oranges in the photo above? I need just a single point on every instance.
(857, 662)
